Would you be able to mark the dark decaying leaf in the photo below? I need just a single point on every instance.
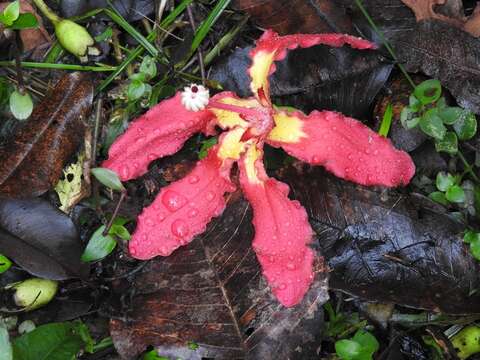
(31, 161)
(388, 246)
(40, 238)
(131, 10)
(212, 293)
(446, 53)
(340, 79)
(297, 16)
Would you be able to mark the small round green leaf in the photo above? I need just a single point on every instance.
(471, 236)
(348, 349)
(455, 194)
(108, 178)
(21, 106)
(98, 246)
(466, 126)
(414, 103)
(444, 181)
(25, 21)
(448, 144)
(11, 13)
(432, 125)
(438, 197)
(135, 90)
(120, 231)
(475, 249)
(148, 67)
(368, 342)
(5, 263)
(428, 91)
(450, 115)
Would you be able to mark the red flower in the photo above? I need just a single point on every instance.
(182, 210)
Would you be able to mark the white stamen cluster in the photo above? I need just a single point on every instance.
(195, 97)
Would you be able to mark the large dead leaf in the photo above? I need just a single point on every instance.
(212, 292)
(40, 238)
(340, 79)
(32, 160)
(388, 246)
(297, 16)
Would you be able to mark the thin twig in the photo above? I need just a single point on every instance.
(199, 51)
(115, 212)
(98, 115)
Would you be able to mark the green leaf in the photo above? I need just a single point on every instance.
(386, 121)
(6, 352)
(54, 341)
(98, 246)
(206, 144)
(148, 67)
(135, 90)
(152, 355)
(475, 249)
(439, 197)
(107, 34)
(441, 104)
(21, 106)
(444, 181)
(406, 115)
(450, 115)
(11, 13)
(455, 194)
(432, 125)
(348, 349)
(108, 177)
(448, 144)
(466, 126)
(368, 342)
(5, 263)
(428, 91)
(414, 103)
(471, 236)
(120, 231)
(25, 21)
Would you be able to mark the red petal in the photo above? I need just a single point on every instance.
(343, 146)
(159, 132)
(282, 232)
(182, 209)
(272, 47)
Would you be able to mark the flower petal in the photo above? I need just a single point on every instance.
(282, 231)
(159, 132)
(343, 146)
(272, 47)
(182, 209)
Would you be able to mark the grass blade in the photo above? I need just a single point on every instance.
(386, 121)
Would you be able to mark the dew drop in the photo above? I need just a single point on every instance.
(173, 200)
(124, 171)
(291, 266)
(136, 165)
(329, 148)
(334, 128)
(350, 156)
(282, 286)
(210, 196)
(180, 228)
(157, 131)
(140, 139)
(289, 243)
(192, 213)
(274, 237)
(375, 152)
(193, 179)
(149, 222)
(163, 251)
(315, 159)
(144, 237)
(151, 156)
(271, 259)
(161, 217)
(291, 257)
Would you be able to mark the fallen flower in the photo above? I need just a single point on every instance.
(182, 210)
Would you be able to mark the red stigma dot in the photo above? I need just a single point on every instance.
(194, 88)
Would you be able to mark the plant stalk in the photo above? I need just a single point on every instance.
(47, 12)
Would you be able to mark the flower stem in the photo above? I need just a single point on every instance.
(49, 14)
(468, 167)
(115, 212)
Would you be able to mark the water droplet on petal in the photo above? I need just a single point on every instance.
(136, 165)
(144, 237)
(173, 200)
(282, 286)
(315, 159)
(151, 156)
(161, 217)
(192, 213)
(210, 196)
(149, 222)
(291, 266)
(157, 131)
(193, 179)
(140, 139)
(271, 259)
(124, 171)
(375, 152)
(132, 249)
(180, 228)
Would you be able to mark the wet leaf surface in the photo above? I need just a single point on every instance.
(212, 293)
(31, 161)
(340, 79)
(297, 16)
(445, 53)
(388, 246)
(40, 238)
